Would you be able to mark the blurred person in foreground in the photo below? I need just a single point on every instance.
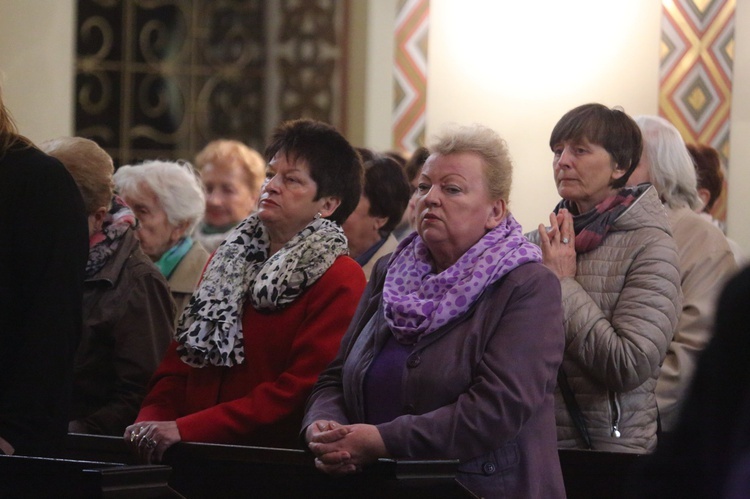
(270, 310)
(454, 350)
(128, 313)
(232, 175)
(708, 453)
(42, 261)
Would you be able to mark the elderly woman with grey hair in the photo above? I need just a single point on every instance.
(706, 259)
(168, 201)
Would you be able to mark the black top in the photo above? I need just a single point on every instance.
(43, 252)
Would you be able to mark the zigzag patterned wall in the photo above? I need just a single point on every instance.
(697, 55)
(410, 74)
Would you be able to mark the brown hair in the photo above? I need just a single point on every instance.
(9, 135)
(708, 168)
(89, 165)
(611, 129)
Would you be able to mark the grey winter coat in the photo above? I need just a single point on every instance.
(621, 311)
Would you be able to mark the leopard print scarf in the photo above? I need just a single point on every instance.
(210, 328)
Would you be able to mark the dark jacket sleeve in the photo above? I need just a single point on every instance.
(43, 256)
(141, 337)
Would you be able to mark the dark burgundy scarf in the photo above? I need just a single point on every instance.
(592, 226)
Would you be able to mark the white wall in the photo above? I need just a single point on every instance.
(738, 227)
(37, 53)
(519, 66)
(381, 17)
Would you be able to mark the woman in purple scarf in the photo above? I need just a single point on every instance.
(455, 347)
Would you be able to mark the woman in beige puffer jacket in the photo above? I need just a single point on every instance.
(618, 267)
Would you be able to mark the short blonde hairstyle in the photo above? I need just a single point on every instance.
(90, 166)
(234, 152)
(488, 145)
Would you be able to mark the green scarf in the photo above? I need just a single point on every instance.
(173, 256)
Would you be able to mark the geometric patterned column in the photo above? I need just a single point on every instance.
(410, 74)
(697, 55)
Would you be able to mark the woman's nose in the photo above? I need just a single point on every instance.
(431, 197)
(271, 184)
(565, 157)
(212, 198)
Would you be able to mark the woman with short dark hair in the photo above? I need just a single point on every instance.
(610, 247)
(384, 197)
(271, 308)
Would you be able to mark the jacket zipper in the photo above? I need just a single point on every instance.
(615, 405)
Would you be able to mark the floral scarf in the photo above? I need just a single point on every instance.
(418, 301)
(591, 227)
(210, 328)
(104, 244)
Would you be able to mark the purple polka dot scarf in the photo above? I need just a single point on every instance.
(418, 301)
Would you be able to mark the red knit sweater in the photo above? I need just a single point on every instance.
(260, 402)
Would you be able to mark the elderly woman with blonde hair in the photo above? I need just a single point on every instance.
(128, 313)
(232, 174)
(454, 351)
(168, 201)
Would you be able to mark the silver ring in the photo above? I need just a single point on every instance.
(565, 240)
(132, 435)
(151, 443)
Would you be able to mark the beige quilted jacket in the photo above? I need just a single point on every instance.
(621, 311)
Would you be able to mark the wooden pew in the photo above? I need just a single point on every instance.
(39, 477)
(210, 471)
(590, 474)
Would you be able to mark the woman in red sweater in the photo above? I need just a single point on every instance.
(272, 306)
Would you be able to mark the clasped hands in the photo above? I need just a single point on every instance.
(558, 244)
(344, 449)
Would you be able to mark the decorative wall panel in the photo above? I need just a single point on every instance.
(697, 54)
(161, 78)
(309, 43)
(410, 74)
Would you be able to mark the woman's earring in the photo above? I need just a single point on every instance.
(318, 215)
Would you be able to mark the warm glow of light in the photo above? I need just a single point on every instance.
(530, 46)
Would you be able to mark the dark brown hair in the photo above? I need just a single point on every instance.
(415, 163)
(387, 189)
(611, 129)
(334, 164)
